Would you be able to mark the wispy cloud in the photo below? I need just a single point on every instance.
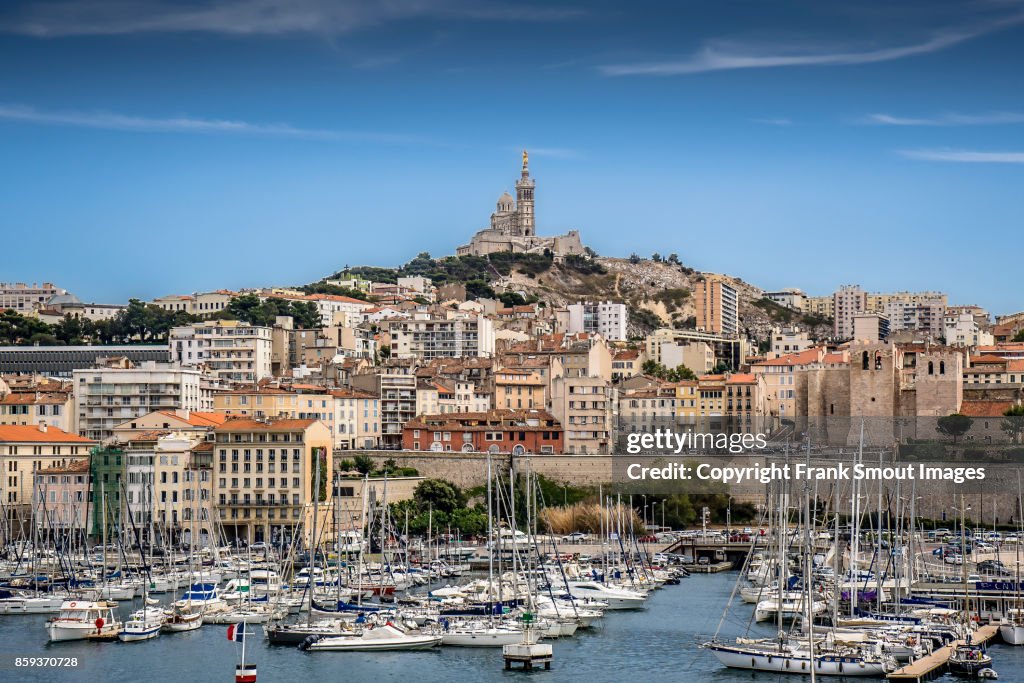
(57, 18)
(113, 121)
(774, 122)
(723, 56)
(964, 156)
(952, 119)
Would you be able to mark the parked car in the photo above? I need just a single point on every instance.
(575, 537)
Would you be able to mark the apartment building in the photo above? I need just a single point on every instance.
(108, 396)
(27, 449)
(584, 406)
(605, 318)
(517, 432)
(965, 331)
(848, 301)
(60, 498)
(427, 337)
(917, 312)
(790, 298)
(264, 477)
(357, 419)
(192, 422)
(519, 388)
(230, 350)
(397, 407)
(23, 298)
(787, 340)
(820, 306)
(870, 327)
(728, 350)
(717, 306)
(54, 408)
(183, 484)
(779, 376)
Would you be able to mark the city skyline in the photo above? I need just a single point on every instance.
(749, 141)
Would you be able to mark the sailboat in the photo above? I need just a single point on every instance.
(805, 655)
(1011, 628)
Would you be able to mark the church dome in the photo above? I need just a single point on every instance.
(505, 202)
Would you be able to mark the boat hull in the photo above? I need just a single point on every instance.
(794, 663)
(1012, 634)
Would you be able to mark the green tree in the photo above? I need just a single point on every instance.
(954, 425)
(1013, 425)
(439, 494)
(363, 463)
(1019, 337)
(17, 329)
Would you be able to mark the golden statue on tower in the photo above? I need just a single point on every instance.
(526, 158)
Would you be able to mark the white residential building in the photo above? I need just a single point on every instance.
(107, 396)
(428, 337)
(231, 350)
(965, 331)
(605, 318)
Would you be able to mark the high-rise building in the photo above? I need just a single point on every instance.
(848, 301)
(717, 306)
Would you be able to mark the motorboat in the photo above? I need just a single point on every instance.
(386, 637)
(615, 598)
(142, 625)
(18, 603)
(84, 620)
(968, 660)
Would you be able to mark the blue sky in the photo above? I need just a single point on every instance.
(155, 147)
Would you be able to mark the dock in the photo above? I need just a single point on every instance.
(925, 667)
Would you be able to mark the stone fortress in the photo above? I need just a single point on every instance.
(513, 226)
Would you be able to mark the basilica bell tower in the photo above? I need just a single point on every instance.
(524, 200)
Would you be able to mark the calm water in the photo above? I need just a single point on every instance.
(652, 645)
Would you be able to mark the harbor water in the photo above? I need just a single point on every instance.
(659, 643)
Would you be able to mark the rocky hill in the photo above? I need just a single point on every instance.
(658, 291)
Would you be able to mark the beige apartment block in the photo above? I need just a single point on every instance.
(263, 477)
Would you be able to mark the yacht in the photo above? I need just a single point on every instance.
(17, 603)
(387, 637)
(615, 598)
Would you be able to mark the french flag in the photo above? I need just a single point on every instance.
(235, 633)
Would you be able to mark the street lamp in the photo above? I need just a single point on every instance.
(653, 508)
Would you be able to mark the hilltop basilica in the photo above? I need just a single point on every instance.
(513, 226)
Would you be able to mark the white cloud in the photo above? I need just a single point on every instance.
(252, 17)
(112, 121)
(964, 156)
(725, 56)
(995, 118)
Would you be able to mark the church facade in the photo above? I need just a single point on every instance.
(513, 226)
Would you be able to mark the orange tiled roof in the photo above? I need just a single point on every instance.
(239, 424)
(199, 419)
(80, 466)
(23, 398)
(33, 434)
(985, 408)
